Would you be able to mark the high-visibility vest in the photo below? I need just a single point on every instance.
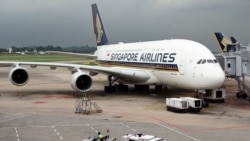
(99, 137)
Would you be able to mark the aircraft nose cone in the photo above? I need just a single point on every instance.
(211, 78)
(219, 79)
(216, 78)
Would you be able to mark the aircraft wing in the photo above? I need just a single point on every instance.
(78, 71)
(125, 74)
(33, 64)
(116, 71)
(90, 56)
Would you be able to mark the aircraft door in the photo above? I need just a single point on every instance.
(182, 68)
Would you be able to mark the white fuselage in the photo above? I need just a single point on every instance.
(177, 62)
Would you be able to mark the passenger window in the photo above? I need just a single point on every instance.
(203, 61)
(199, 61)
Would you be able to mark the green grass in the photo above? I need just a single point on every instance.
(38, 58)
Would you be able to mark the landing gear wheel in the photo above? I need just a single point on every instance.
(239, 94)
(110, 89)
(141, 88)
(106, 89)
(158, 88)
(123, 88)
(244, 96)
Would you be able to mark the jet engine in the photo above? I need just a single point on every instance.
(19, 76)
(81, 81)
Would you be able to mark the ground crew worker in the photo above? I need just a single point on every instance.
(100, 136)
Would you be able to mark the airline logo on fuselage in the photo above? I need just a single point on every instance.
(144, 57)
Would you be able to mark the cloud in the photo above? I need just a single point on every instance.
(68, 22)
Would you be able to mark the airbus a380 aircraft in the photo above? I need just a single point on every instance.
(177, 62)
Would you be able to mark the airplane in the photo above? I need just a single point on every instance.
(177, 63)
(229, 45)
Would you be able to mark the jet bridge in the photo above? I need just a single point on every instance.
(236, 64)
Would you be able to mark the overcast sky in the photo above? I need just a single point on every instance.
(69, 22)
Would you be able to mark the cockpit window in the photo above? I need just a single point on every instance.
(199, 61)
(211, 61)
(203, 61)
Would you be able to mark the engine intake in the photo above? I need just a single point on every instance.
(19, 76)
(81, 81)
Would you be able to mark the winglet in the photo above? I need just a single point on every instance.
(101, 38)
(222, 40)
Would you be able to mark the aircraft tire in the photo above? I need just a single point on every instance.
(123, 88)
(244, 96)
(239, 94)
(158, 88)
(106, 89)
(141, 88)
(110, 89)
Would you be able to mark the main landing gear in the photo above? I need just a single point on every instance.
(115, 86)
(112, 88)
(242, 95)
(242, 88)
(202, 95)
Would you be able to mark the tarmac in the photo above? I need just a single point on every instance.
(44, 109)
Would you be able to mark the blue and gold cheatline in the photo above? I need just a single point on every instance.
(158, 66)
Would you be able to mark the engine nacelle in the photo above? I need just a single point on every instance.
(81, 81)
(19, 76)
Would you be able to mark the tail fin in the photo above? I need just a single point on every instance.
(223, 41)
(101, 38)
(234, 40)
